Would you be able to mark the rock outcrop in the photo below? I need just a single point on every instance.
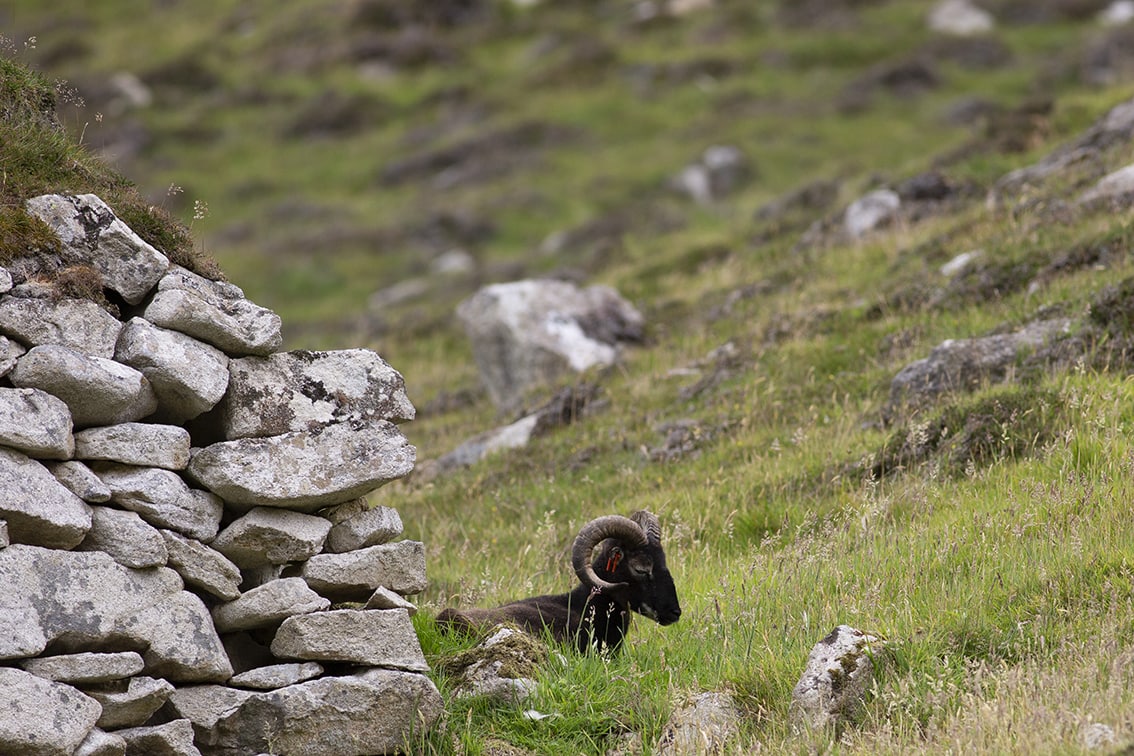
(179, 506)
(962, 364)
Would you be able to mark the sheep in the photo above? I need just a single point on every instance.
(628, 574)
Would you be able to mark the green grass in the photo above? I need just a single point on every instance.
(987, 539)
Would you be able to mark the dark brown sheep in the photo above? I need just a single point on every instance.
(626, 573)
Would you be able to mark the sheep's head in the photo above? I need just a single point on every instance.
(629, 565)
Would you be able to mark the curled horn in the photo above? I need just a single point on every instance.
(648, 521)
(596, 531)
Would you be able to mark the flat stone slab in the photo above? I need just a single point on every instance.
(204, 705)
(183, 646)
(77, 323)
(126, 537)
(130, 703)
(384, 598)
(215, 312)
(97, 390)
(369, 527)
(173, 738)
(270, 535)
(374, 637)
(101, 743)
(301, 390)
(72, 599)
(87, 667)
(162, 498)
(355, 576)
(140, 444)
(79, 480)
(188, 376)
(36, 423)
(330, 716)
(304, 471)
(201, 566)
(277, 676)
(268, 605)
(10, 351)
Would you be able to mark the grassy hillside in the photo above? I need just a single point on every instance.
(342, 148)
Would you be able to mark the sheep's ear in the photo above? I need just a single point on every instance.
(613, 557)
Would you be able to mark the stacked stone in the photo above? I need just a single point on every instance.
(179, 508)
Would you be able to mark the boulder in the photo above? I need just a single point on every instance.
(79, 324)
(331, 716)
(527, 334)
(93, 235)
(372, 637)
(38, 509)
(302, 390)
(214, 312)
(98, 391)
(42, 718)
(1117, 13)
(268, 535)
(162, 498)
(188, 376)
(141, 444)
(305, 470)
(126, 537)
(356, 575)
(838, 674)
(870, 212)
(1097, 735)
(35, 423)
(268, 605)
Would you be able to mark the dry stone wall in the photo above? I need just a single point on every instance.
(180, 506)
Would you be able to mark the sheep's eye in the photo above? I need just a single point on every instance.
(641, 568)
